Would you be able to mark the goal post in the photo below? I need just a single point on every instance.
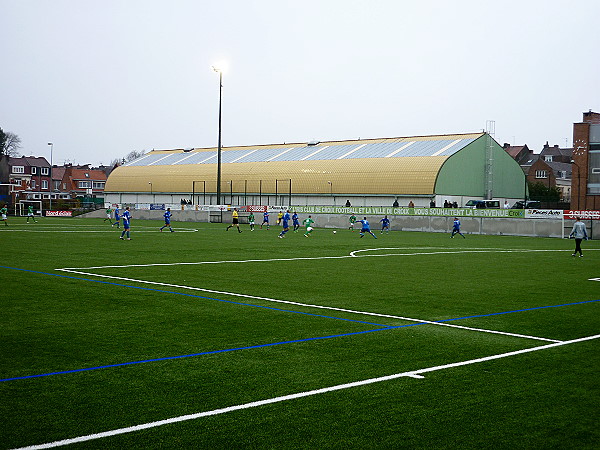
(23, 206)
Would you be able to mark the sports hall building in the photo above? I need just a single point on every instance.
(368, 172)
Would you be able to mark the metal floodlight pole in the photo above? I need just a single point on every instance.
(216, 69)
(51, 181)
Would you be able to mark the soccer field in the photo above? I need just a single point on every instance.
(204, 338)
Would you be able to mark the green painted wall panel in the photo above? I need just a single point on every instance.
(464, 173)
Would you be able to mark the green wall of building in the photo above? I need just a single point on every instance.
(464, 173)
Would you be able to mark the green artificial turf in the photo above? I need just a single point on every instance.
(172, 324)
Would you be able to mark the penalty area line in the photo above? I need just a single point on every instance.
(307, 305)
(411, 374)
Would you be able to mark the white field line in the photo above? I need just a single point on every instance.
(305, 305)
(353, 254)
(412, 374)
(116, 230)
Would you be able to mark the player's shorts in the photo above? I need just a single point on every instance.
(365, 230)
(285, 224)
(235, 221)
(3, 216)
(167, 221)
(309, 228)
(251, 223)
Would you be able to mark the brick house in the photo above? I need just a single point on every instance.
(82, 181)
(520, 153)
(552, 174)
(31, 177)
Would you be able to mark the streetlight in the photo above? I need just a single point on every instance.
(51, 180)
(220, 71)
(151, 191)
(331, 190)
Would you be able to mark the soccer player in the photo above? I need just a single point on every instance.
(265, 219)
(117, 218)
(295, 221)
(308, 224)
(4, 212)
(352, 221)
(30, 214)
(167, 215)
(579, 233)
(385, 225)
(108, 215)
(286, 224)
(235, 220)
(366, 228)
(456, 228)
(251, 220)
(126, 221)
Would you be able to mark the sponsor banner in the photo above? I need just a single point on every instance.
(544, 213)
(157, 206)
(572, 214)
(255, 208)
(405, 211)
(59, 213)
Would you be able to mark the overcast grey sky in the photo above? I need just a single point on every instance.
(102, 78)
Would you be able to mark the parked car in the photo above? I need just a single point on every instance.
(483, 204)
(529, 205)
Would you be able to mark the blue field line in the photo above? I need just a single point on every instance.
(518, 310)
(382, 327)
(213, 352)
(185, 294)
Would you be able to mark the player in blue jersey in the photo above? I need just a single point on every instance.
(385, 225)
(286, 224)
(296, 222)
(117, 218)
(265, 219)
(456, 228)
(126, 223)
(366, 228)
(167, 216)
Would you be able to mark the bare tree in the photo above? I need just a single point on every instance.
(10, 144)
(129, 157)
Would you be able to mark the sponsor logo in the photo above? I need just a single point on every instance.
(59, 213)
(593, 215)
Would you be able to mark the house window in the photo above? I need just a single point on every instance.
(541, 174)
(44, 184)
(45, 171)
(98, 184)
(548, 158)
(32, 184)
(84, 185)
(57, 185)
(18, 169)
(34, 171)
(65, 186)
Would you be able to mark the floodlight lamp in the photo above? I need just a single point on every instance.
(220, 67)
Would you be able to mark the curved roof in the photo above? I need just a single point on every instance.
(394, 166)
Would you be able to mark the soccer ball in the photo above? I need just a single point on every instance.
(334, 231)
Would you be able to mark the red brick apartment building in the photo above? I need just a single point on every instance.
(585, 183)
